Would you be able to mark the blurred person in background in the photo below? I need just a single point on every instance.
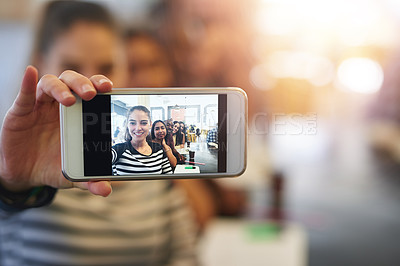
(148, 62)
(178, 135)
(41, 222)
(170, 125)
(209, 42)
(147, 55)
(212, 136)
(183, 129)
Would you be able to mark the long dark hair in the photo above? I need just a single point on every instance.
(168, 140)
(184, 127)
(142, 108)
(179, 134)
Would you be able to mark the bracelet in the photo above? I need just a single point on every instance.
(12, 197)
(167, 150)
(18, 201)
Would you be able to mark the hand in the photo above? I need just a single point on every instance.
(164, 144)
(181, 158)
(30, 154)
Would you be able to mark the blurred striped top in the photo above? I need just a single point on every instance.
(141, 223)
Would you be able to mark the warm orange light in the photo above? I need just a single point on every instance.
(344, 22)
(317, 70)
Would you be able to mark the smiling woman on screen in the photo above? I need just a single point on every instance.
(136, 155)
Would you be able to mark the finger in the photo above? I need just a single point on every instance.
(101, 188)
(25, 101)
(101, 83)
(51, 88)
(78, 83)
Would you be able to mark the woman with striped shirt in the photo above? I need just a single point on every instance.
(136, 155)
(42, 222)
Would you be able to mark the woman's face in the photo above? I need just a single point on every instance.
(88, 48)
(170, 126)
(160, 131)
(138, 126)
(182, 126)
(176, 128)
(148, 65)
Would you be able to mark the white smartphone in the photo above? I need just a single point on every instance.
(97, 141)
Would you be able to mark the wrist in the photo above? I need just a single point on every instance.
(12, 184)
(15, 187)
(165, 146)
(18, 201)
(17, 197)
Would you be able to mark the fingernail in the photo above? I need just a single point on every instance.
(87, 88)
(111, 190)
(104, 81)
(66, 95)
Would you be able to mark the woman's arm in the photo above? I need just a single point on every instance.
(170, 155)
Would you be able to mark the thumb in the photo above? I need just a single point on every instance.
(100, 188)
(25, 101)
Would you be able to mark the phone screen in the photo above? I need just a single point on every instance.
(193, 126)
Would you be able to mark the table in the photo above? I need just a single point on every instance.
(183, 169)
(240, 242)
(208, 157)
(183, 151)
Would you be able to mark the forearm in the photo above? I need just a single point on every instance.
(170, 155)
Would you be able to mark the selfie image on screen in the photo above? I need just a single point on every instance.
(181, 130)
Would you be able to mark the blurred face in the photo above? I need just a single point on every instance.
(87, 48)
(148, 66)
(176, 128)
(170, 126)
(182, 126)
(206, 59)
(138, 126)
(160, 131)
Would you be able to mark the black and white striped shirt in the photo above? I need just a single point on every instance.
(127, 160)
(140, 223)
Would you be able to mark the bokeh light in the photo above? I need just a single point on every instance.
(361, 75)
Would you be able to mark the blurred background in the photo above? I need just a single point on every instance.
(323, 180)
